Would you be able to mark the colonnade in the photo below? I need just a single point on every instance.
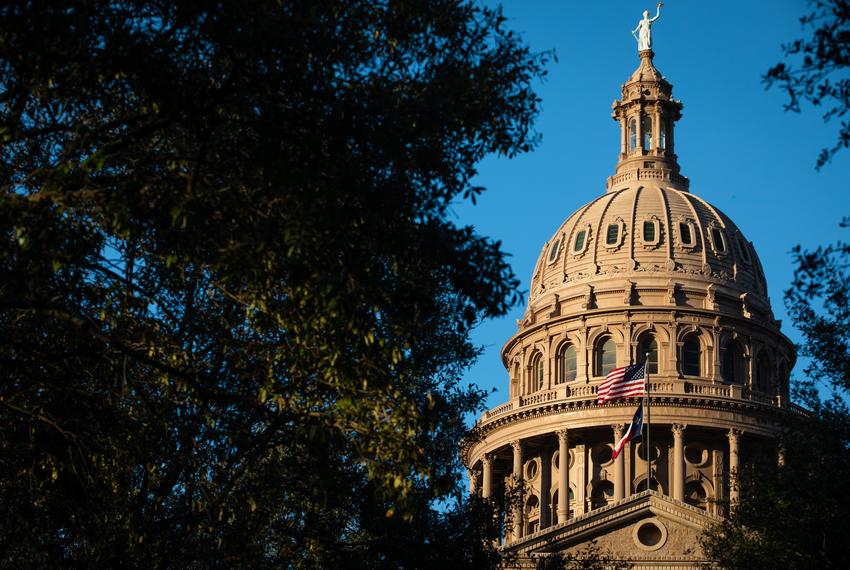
(676, 482)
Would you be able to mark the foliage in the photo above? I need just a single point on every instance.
(820, 74)
(795, 516)
(233, 308)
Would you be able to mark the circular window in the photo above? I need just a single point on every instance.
(556, 460)
(641, 451)
(696, 455)
(650, 534)
(601, 454)
(531, 469)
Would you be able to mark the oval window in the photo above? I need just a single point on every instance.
(553, 253)
(686, 234)
(612, 237)
(580, 239)
(719, 240)
(649, 234)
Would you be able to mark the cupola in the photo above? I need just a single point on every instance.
(647, 113)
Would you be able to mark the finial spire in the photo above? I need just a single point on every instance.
(643, 31)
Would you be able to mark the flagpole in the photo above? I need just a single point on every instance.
(648, 446)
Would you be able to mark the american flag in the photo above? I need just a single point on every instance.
(623, 382)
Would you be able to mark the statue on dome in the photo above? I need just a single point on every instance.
(643, 32)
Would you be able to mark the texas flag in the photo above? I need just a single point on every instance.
(633, 432)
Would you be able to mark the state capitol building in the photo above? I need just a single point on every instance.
(647, 267)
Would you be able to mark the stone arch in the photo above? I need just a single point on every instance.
(733, 356)
(698, 492)
(535, 371)
(661, 333)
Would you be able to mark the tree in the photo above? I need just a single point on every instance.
(821, 76)
(795, 516)
(233, 309)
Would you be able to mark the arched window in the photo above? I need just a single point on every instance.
(662, 134)
(764, 371)
(641, 486)
(632, 135)
(646, 131)
(691, 356)
(554, 507)
(603, 493)
(605, 356)
(567, 364)
(731, 371)
(536, 380)
(695, 494)
(532, 513)
(648, 348)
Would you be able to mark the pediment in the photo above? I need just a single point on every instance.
(645, 528)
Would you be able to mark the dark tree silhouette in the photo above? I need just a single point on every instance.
(233, 309)
(818, 66)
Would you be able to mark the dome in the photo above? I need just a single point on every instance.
(648, 244)
(653, 295)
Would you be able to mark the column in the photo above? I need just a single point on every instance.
(639, 132)
(624, 144)
(619, 466)
(487, 476)
(518, 503)
(472, 476)
(545, 488)
(656, 130)
(780, 453)
(678, 462)
(733, 435)
(581, 480)
(563, 475)
(630, 476)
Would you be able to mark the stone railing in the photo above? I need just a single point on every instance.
(583, 391)
(647, 174)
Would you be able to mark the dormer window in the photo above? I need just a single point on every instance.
(718, 240)
(743, 250)
(614, 234)
(553, 251)
(686, 234)
(581, 239)
(651, 232)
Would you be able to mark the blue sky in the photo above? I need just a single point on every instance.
(742, 152)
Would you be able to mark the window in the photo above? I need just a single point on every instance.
(632, 135)
(649, 164)
(646, 131)
(537, 373)
(580, 241)
(743, 250)
(731, 359)
(648, 348)
(567, 364)
(602, 494)
(691, 356)
(553, 251)
(719, 240)
(650, 232)
(695, 494)
(685, 234)
(612, 236)
(662, 132)
(764, 371)
(606, 356)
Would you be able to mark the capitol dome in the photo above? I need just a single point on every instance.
(633, 241)
(646, 274)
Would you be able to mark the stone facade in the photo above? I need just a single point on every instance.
(649, 272)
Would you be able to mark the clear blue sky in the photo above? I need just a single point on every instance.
(742, 152)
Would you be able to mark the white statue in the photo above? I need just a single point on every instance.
(643, 32)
